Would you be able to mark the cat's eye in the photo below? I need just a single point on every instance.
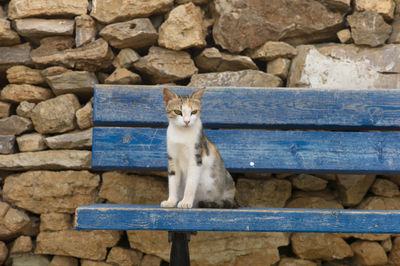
(194, 112)
(178, 112)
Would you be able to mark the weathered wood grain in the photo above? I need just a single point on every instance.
(146, 217)
(256, 150)
(254, 107)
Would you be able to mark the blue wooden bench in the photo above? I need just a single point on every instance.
(262, 130)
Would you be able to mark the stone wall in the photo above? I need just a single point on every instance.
(52, 52)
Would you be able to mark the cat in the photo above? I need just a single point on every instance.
(197, 176)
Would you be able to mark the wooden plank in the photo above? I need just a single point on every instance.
(254, 107)
(256, 150)
(146, 217)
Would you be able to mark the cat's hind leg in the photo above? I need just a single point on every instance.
(174, 179)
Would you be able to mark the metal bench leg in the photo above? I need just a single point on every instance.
(180, 248)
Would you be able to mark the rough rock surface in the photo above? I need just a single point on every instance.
(329, 67)
(164, 65)
(394, 256)
(123, 256)
(85, 30)
(122, 188)
(309, 182)
(243, 78)
(385, 188)
(55, 221)
(296, 262)
(228, 248)
(64, 261)
(4, 109)
(22, 244)
(183, 28)
(384, 7)
(279, 67)
(272, 50)
(7, 35)
(380, 203)
(88, 245)
(3, 252)
(33, 8)
(271, 193)
(38, 28)
(369, 28)
(71, 140)
(241, 25)
(136, 34)
(123, 76)
(12, 221)
(320, 246)
(24, 75)
(25, 108)
(212, 60)
(369, 253)
(15, 55)
(313, 202)
(84, 116)
(24, 92)
(107, 12)
(31, 142)
(78, 82)
(49, 191)
(352, 188)
(56, 115)
(125, 58)
(14, 125)
(7, 144)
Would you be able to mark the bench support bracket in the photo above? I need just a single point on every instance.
(180, 248)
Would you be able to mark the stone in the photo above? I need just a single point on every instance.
(15, 55)
(313, 202)
(385, 188)
(84, 116)
(240, 25)
(39, 28)
(55, 221)
(51, 191)
(50, 160)
(24, 75)
(272, 50)
(150, 260)
(56, 115)
(7, 35)
(24, 92)
(394, 178)
(25, 108)
(53, 71)
(108, 12)
(72, 140)
(75, 243)
(22, 244)
(15, 125)
(395, 35)
(309, 182)
(59, 51)
(314, 246)
(3, 252)
(7, 144)
(125, 58)
(94, 263)
(227, 248)
(212, 60)
(243, 78)
(368, 253)
(30, 259)
(183, 28)
(163, 65)
(4, 109)
(296, 262)
(394, 256)
(197, 2)
(46, 8)
(380, 203)
(345, 66)
(387, 244)
(118, 187)
(77, 82)
(369, 28)
(124, 257)
(85, 30)
(352, 188)
(366, 236)
(272, 193)
(12, 221)
(136, 34)
(383, 7)
(64, 261)
(340, 5)
(344, 36)
(31, 142)
(123, 76)
(279, 67)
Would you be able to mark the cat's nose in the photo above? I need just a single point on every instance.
(187, 122)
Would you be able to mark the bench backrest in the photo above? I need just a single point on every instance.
(259, 129)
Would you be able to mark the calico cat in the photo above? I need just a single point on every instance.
(197, 176)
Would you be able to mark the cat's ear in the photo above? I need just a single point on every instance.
(198, 95)
(169, 95)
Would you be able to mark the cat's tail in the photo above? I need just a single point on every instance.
(224, 204)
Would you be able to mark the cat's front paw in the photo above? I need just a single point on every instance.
(185, 204)
(168, 204)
